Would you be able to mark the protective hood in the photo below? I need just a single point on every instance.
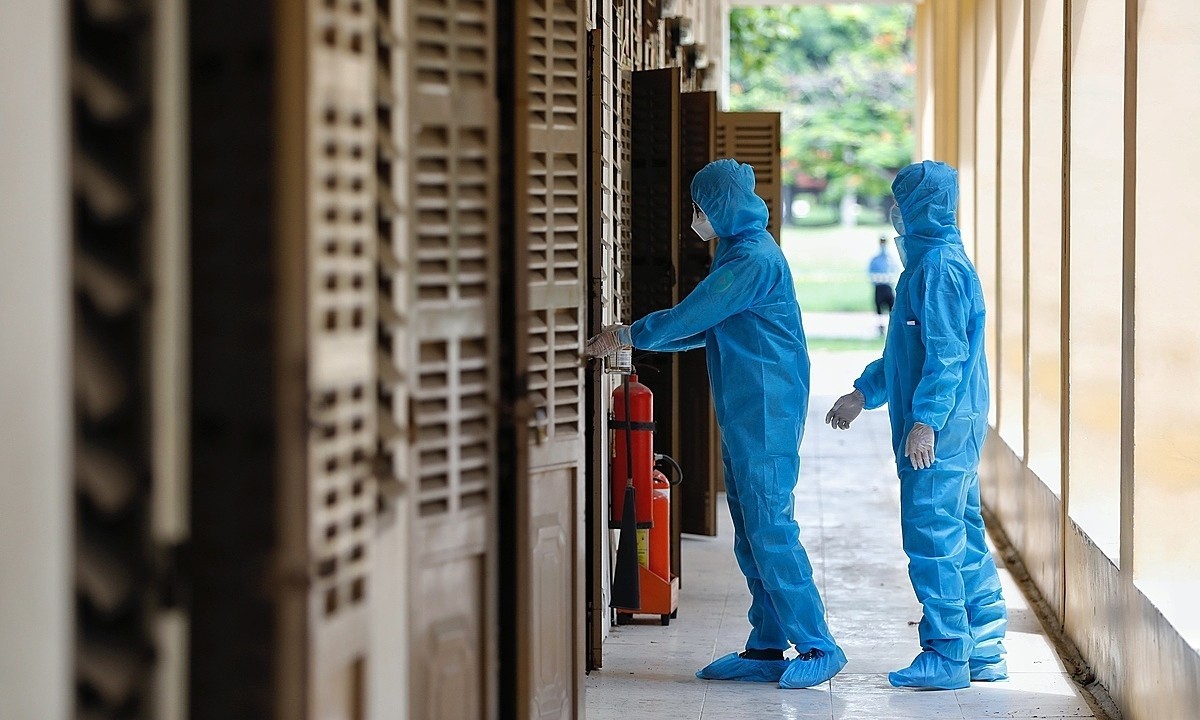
(724, 190)
(927, 194)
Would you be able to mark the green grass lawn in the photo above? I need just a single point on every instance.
(827, 295)
(829, 266)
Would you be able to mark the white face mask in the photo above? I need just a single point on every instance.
(897, 219)
(701, 226)
(898, 223)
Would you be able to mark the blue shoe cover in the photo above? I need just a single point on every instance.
(735, 667)
(931, 671)
(813, 668)
(990, 670)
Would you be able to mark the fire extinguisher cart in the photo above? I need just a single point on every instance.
(633, 450)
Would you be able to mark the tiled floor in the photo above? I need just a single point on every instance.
(847, 506)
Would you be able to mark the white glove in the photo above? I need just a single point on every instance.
(846, 410)
(919, 448)
(612, 339)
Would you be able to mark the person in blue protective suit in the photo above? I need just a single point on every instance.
(744, 313)
(934, 378)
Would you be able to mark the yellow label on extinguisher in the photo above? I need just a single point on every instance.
(644, 548)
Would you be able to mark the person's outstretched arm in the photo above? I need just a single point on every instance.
(872, 385)
(726, 291)
(691, 342)
(870, 392)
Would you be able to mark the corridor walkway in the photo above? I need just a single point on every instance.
(847, 505)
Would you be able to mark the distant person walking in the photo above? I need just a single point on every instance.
(882, 272)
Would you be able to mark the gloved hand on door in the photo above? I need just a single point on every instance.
(610, 340)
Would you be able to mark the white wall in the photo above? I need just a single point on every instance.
(35, 480)
(1100, 499)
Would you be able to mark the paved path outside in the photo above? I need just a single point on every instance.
(847, 506)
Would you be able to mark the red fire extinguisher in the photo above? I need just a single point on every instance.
(658, 545)
(641, 440)
(659, 537)
(651, 587)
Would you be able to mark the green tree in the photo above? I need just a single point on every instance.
(842, 77)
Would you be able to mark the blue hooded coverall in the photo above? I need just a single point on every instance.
(934, 371)
(746, 316)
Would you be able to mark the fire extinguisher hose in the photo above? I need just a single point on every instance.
(670, 461)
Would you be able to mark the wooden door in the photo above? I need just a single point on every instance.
(697, 495)
(450, 346)
(326, 348)
(548, 299)
(112, 147)
(655, 247)
(234, 437)
(605, 262)
(753, 137)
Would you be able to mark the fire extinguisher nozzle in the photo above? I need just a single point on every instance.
(626, 586)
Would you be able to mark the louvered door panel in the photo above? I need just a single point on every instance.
(624, 120)
(111, 166)
(388, 673)
(340, 333)
(697, 497)
(606, 199)
(655, 226)
(550, 167)
(452, 350)
(753, 138)
(608, 259)
(629, 18)
(552, 205)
